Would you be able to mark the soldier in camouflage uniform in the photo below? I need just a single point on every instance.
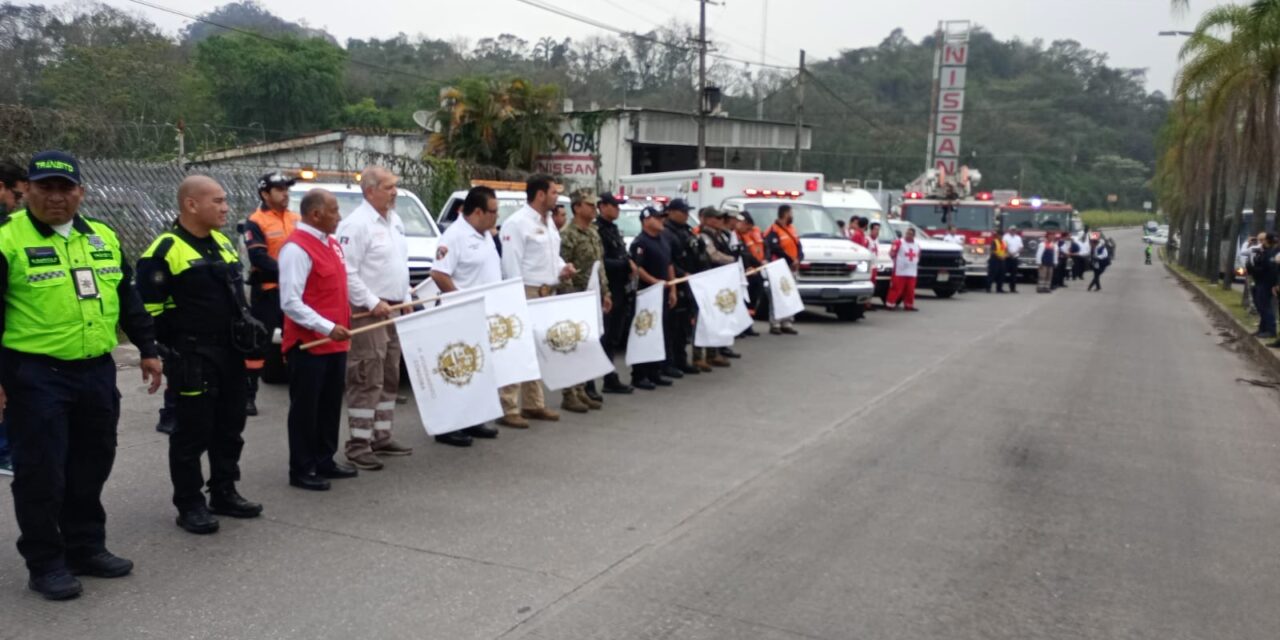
(580, 246)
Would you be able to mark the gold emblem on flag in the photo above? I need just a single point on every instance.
(504, 329)
(459, 362)
(786, 285)
(566, 335)
(727, 301)
(644, 322)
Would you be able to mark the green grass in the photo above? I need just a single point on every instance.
(1230, 300)
(1100, 218)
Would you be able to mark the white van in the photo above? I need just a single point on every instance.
(843, 205)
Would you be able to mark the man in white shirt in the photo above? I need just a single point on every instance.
(313, 296)
(953, 237)
(377, 259)
(1013, 245)
(466, 257)
(531, 251)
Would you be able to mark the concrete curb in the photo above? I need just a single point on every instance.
(1260, 353)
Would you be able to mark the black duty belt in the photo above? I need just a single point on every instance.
(85, 363)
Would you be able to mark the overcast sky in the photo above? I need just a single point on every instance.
(1123, 29)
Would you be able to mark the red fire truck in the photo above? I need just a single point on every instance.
(933, 201)
(1037, 217)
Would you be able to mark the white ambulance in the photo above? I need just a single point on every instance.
(835, 273)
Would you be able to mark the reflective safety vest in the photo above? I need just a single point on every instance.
(754, 242)
(63, 293)
(276, 229)
(192, 292)
(998, 248)
(787, 240)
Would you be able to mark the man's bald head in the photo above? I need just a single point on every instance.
(379, 187)
(202, 205)
(320, 210)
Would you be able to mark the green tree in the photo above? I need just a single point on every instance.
(288, 85)
(486, 122)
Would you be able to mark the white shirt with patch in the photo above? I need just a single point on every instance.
(377, 256)
(467, 256)
(531, 248)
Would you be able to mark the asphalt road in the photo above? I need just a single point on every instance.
(1074, 465)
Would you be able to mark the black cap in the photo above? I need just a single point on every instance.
(650, 212)
(609, 198)
(53, 164)
(275, 179)
(678, 205)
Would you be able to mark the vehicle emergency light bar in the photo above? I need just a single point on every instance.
(913, 195)
(983, 195)
(770, 193)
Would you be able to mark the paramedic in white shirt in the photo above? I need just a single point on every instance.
(467, 258)
(531, 251)
(377, 257)
(1013, 245)
(952, 236)
(316, 378)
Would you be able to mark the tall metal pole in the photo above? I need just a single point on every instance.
(764, 31)
(933, 95)
(799, 111)
(702, 84)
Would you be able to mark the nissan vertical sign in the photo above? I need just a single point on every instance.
(953, 61)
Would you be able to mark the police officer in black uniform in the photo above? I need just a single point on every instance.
(190, 280)
(651, 253)
(618, 270)
(688, 255)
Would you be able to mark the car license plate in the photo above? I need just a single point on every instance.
(943, 276)
(830, 294)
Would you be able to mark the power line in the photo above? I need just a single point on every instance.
(851, 109)
(564, 13)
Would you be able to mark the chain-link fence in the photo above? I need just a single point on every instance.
(140, 199)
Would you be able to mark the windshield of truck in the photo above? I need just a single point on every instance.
(629, 222)
(938, 216)
(410, 212)
(846, 213)
(1042, 220)
(810, 220)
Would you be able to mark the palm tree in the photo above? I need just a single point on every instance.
(1222, 132)
(486, 122)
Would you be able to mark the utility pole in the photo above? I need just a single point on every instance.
(182, 144)
(764, 32)
(702, 84)
(799, 110)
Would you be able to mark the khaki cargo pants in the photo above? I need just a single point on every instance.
(527, 395)
(373, 381)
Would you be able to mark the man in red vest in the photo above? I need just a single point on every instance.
(313, 296)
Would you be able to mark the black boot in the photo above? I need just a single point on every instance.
(251, 395)
(592, 393)
(612, 384)
(226, 501)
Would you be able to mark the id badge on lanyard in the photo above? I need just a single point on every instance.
(86, 284)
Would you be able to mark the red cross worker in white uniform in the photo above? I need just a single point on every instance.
(906, 263)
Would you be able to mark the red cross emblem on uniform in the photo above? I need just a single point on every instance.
(911, 254)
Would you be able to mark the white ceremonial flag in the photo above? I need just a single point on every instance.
(647, 342)
(722, 312)
(567, 339)
(594, 285)
(451, 368)
(510, 331)
(783, 294)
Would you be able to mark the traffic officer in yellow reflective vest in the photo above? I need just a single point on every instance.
(190, 280)
(66, 289)
(264, 234)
